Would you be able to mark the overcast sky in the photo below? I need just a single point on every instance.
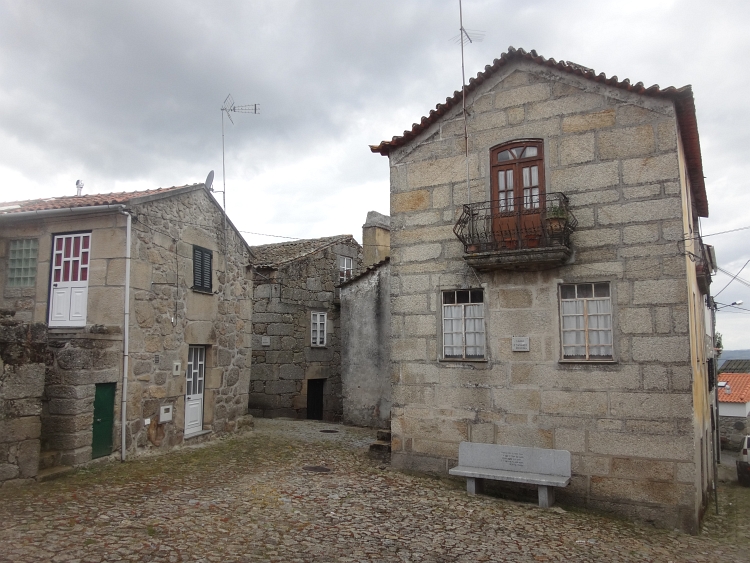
(127, 96)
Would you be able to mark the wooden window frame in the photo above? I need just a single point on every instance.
(346, 268)
(202, 277)
(586, 315)
(318, 328)
(516, 165)
(475, 296)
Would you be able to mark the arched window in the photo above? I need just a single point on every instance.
(518, 175)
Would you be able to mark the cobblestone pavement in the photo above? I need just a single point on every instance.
(247, 498)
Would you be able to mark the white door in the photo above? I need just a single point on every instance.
(70, 280)
(194, 390)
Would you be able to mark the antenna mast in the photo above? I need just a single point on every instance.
(228, 107)
(464, 35)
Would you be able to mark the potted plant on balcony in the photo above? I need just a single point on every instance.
(556, 218)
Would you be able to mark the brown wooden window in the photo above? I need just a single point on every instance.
(518, 198)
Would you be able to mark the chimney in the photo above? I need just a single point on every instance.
(79, 188)
(376, 238)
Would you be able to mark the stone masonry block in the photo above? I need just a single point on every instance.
(562, 106)
(420, 325)
(642, 491)
(657, 292)
(591, 238)
(574, 402)
(661, 349)
(584, 177)
(651, 169)
(107, 243)
(664, 447)
(483, 432)
(650, 405)
(636, 234)
(666, 135)
(438, 172)
(421, 252)
(19, 429)
(642, 192)
(417, 374)
(514, 298)
(405, 304)
(640, 211)
(588, 121)
(634, 115)
(416, 200)
(522, 95)
(663, 317)
(626, 142)
(516, 400)
(635, 320)
(655, 377)
(570, 439)
(643, 469)
(511, 435)
(23, 381)
(467, 397)
(576, 149)
(415, 283)
(408, 349)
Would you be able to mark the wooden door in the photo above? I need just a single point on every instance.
(194, 389)
(104, 419)
(70, 280)
(517, 194)
(315, 399)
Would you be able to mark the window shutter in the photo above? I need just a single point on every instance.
(202, 263)
(197, 267)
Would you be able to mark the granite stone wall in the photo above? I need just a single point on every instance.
(283, 359)
(23, 359)
(638, 432)
(732, 430)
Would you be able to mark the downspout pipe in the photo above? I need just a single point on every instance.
(125, 341)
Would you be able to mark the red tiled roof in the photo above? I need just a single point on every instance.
(682, 98)
(739, 384)
(87, 200)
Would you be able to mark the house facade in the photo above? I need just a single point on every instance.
(733, 393)
(548, 284)
(296, 326)
(143, 291)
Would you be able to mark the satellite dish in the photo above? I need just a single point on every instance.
(210, 181)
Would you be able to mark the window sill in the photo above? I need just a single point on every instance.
(203, 291)
(463, 360)
(587, 361)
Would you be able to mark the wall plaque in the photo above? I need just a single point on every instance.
(519, 344)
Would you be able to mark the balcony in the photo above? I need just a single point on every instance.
(503, 236)
(705, 266)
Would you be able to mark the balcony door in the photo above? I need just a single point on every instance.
(517, 194)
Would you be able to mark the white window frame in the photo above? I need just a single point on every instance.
(464, 324)
(318, 326)
(23, 258)
(346, 268)
(590, 314)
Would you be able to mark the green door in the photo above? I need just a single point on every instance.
(104, 418)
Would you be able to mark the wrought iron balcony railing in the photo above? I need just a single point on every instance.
(705, 265)
(532, 222)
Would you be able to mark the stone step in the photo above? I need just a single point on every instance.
(380, 450)
(53, 473)
(384, 435)
(48, 459)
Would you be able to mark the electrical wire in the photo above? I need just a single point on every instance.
(733, 278)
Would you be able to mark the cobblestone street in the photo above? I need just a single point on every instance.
(248, 498)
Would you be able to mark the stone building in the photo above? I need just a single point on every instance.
(149, 280)
(547, 284)
(366, 329)
(296, 331)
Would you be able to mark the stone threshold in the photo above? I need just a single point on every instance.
(196, 434)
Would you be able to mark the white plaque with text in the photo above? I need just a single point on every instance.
(520, 344)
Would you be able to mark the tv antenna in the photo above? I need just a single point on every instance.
(462, 38)
(229, 108)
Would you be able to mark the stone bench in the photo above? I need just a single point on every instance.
(535, 466)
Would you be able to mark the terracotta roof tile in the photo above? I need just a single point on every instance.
(682, 97)
(739, 384)
(274, 255)
(66, 202)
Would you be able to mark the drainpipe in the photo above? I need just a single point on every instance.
(125, 340)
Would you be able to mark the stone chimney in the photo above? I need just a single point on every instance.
(376, 238)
